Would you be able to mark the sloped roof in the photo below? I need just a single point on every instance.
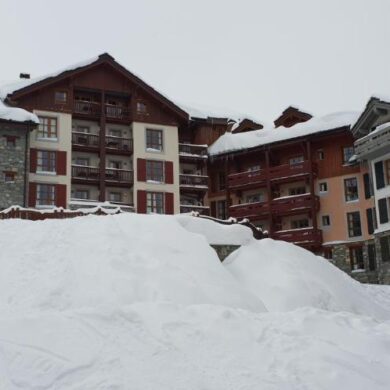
(14, 114)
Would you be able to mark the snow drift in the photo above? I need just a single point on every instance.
(138, 302)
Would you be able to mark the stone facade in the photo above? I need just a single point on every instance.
(383, 263)
(13, 163)
(224, 251)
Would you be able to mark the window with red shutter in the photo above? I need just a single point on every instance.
(141, 169)
(169, 205)
(61, 195)
(33, 160)
(141, 202)
(32, 195)
(61, 163)
(168, 172)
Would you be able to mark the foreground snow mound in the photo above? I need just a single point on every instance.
(112, 260)
(287, 277)
(216, 233)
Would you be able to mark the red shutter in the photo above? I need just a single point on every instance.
(32, 194)
(141, 202)
(169, 208)
(168, 172)
(33, 160)
(61, 163)
(61, 195)
(141, 169)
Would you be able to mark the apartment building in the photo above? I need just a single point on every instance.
(372, 146)
(15, 127)
(104, 136)
(298, 182)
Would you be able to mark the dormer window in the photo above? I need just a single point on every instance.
(61, 97)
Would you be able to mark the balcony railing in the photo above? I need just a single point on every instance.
(120, 144)
(85, 140)
(280, 172)
(249, 210)
(193, 151)
(194, 181)
(119, 175)
(374, 142)
(187, 208)
(85, 173)
(87, 108)
(95, 109)
(117, 112)
(305, 236)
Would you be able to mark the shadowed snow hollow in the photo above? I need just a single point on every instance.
(287, 277)
(121, 259)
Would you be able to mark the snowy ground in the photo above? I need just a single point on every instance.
(139, 302)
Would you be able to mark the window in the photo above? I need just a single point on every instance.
(367, 186)
(115, 164)
(46, 195)
(383, 210)
(84, 161)
(297, 190)
(325, 220)
(385, 248)
(323, 186)
(356, 256)
(379, 175)
(80, 194)
(370, 213)
(115, 133)
(348, 152)
(141, 108)
(320, 154)
(300, 223)
(46, 161)
(10, 141)
(328, 253)
(154, 140)
(387, 163)
(296, 160)
(155, 202)
(221, 181)
(9, 177)
(115, 197)
(351, 189)
(47, 128)
(255, 198)
(371, 257)
(82, 129)
(61, 97)
(354, 225)
(155, 171)
(221, 209)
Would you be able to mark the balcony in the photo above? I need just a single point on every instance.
(302, 237)
(288, 205)
(116, 145)
(117, 112)
(91, 175)
(85, 142)
(87, 108)
(280, 173)
(202, 210)
(194, 182)
(375, 144)
(294, 204)
(190, 152)
(93, 109)
(252, 211)
(119, 177)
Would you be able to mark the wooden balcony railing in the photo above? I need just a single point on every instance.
(281, 172)
(194, 181)
(193, 151)
(294, 204)
(119, 175)
(85, 173)
(202, 210)
(87, 108)
(85, 140)
(305, 236)
(117, 112)
(249, 210)
(119, 144)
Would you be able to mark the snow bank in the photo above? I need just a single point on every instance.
(16, 114)
(215, 233)
(231, 142)
(287, 277)
(111, 260)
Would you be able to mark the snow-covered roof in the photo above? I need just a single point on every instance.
(232, 142)
(23, 83)
(16, 114)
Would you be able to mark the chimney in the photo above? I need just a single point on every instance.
(24, 75)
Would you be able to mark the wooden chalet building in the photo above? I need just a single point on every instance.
(298, 182)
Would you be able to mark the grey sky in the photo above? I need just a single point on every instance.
(256, 57)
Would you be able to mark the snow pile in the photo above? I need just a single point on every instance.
(287, 277)
(138, 302)
(216, 233)
(16, 114)
(231, 142)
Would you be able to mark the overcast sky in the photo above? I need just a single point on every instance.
(255, 57)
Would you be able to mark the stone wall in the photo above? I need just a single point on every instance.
(383, 264)
(12, 159)
(224, 251)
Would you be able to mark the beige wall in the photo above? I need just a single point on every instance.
(170, 153)
(62, 143)
(333, 203)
